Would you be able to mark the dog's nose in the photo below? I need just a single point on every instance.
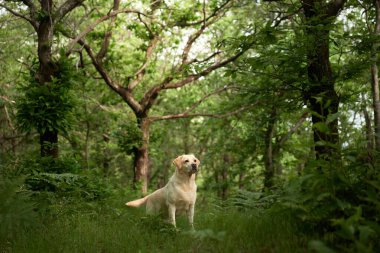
(194, 167)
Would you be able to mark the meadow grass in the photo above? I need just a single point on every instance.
(114, 228)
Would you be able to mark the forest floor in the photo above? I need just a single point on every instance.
(112, 227)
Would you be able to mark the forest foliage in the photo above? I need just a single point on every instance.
(278, 99)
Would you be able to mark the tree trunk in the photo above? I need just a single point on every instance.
(375, 79)
(49, 143)
(49, 137)
(141, 159)
(224, 176)
(268, 155)
(320, 94)
(368, 134)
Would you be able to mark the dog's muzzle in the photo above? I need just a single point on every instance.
(194, 168)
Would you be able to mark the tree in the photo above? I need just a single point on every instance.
(320, 93)
(375, 73)
(162, 28)
(45, 20)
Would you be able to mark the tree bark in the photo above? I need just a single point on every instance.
(141, 156)
(320, 94)
(375, 78)
(47, 69)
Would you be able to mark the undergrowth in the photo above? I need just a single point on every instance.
(61, 211)
(105, 228)
(321, 211)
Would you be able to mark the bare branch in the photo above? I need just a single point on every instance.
(217, 116)
(17, 14)
(190, 43)
(216, 12)
(218, 91)
(146, 25)
(192, 39)
(205, 59)
(32, 11)
(141, 71)
(107, 37)
(150, 96)
(292, 130)
(205, 72)
(65, 8)
(124, 93)
(280, 19)
(98, 21)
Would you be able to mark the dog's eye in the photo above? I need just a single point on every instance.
(186, 161)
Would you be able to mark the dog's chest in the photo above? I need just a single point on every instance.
(183, 198)
(184, 202)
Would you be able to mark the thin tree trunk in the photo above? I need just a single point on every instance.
(87, 144)
(224, 176)
(369, 134)
(268, 155)
(375, 79)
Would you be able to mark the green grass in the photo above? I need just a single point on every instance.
(115, 228)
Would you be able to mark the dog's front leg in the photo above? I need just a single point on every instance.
(190, 216)
(172, 214)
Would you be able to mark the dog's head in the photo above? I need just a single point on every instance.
(187, 163)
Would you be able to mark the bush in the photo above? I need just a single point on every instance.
(339, 206)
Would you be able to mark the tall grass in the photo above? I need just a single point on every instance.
(107, 227)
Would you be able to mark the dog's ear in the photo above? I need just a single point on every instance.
(177, 162)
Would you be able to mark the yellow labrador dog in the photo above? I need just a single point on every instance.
(178, 195)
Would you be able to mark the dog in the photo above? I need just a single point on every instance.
(178, 196)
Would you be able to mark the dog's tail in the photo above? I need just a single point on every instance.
(137, 202)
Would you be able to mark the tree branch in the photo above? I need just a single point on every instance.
(188, 115)
(292, 130)
(141, 71)
(218, 91)
(124, 93)
(65, 8)
(98, 21)
(17, 14)
(192, 39)
(205, 72)
(216, 12)
(149, 97)
(107, 37)
(334, 7)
